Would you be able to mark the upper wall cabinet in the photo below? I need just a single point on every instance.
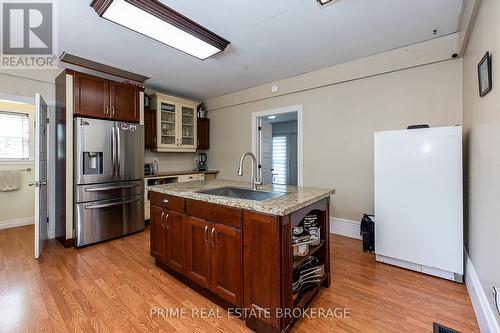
(97, 97)
(176, 125)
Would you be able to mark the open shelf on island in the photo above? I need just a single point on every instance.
(307, 295)
(299, 261)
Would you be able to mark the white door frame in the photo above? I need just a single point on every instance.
(300, 134)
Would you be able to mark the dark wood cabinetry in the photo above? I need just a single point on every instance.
(238, 258)
(175, 241)
(158, 233)
(124, 102)
(150, 128)
(203, 133)
(91, 96)
(198, 252)
(227, 277)
(96, 97)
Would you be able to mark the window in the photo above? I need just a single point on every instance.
(14, 136)
(280, 159)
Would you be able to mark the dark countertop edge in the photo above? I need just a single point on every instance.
(180, 173)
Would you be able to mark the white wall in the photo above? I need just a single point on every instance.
(481, 143)
(343, 106)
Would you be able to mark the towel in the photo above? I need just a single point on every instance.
(10, 180)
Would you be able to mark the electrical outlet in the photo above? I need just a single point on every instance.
(496, 294)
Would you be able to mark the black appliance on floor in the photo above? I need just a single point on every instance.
(368, 232)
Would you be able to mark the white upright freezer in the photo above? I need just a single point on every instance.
(418, 200)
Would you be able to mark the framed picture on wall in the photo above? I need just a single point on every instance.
(484, 75)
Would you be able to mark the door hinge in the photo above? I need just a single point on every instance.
(260, 166)
(260, 128)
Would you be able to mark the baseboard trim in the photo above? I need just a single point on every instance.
(485, 315)
(345, 227)
(16, 223)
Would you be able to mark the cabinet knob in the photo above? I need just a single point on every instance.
(165, 201)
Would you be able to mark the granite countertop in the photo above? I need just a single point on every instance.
(176, 173)
(294, 199)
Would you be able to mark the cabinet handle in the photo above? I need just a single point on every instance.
(167, 223)
(113, 110)
(162, 225)
(206, 234)
(106, 110)
(213, 237)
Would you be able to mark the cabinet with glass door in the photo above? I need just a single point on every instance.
(176, 123)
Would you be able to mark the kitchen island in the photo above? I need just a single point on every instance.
(243, 254)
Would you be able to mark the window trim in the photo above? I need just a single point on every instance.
(31, 139)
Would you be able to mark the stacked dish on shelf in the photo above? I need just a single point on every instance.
(305, 235)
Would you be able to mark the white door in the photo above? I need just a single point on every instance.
(40, 182)
(265, 151)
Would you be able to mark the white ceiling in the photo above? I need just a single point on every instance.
(270, 40)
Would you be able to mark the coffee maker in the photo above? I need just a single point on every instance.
(202, 162)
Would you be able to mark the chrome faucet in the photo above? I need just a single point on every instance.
(255, 180)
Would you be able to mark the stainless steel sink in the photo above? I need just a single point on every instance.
(242, 193)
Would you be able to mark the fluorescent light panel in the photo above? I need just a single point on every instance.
(137, 19)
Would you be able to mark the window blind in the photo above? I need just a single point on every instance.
(14, 136)
(280, 159)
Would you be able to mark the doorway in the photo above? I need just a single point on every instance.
(277, 137)
(23, 167)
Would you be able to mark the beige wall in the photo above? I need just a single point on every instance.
(171, 161)
(19, 204)
(340, 119)
(482, 141)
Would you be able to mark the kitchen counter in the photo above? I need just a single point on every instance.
(185, 172)
(294, 199)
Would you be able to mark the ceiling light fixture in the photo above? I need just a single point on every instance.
(155, 20)
(324, 2)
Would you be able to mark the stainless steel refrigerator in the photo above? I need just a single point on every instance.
(109, 175)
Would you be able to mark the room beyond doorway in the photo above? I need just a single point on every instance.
(277, 140)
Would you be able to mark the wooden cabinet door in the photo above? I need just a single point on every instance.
(157, 233)
(150, 128)
(199, 251)
(175, 241)
(227, 270)
(124, 102)
(203, 133)
(91, 96)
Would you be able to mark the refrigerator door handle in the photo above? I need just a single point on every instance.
(113, 150)
(111, 188)
(112, 204)
(118, 149)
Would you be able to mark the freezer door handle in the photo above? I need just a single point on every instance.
(112, 204)
(111, 188)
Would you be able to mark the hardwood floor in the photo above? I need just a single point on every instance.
(112, 287)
